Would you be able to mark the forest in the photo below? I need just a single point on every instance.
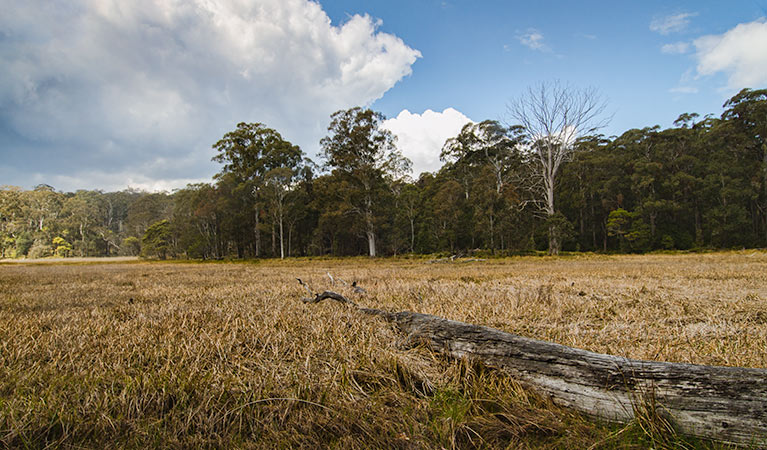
(701, 184)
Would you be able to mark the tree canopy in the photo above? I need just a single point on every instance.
(701, 183)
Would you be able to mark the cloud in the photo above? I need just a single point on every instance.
(684, 90)
(675, 23)
(421, 136)
(140, 90)
(741, 53)
(533, 39)
(677, 48)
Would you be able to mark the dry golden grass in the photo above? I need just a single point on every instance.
(178, 355)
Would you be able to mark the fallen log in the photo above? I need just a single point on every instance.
(727, 404)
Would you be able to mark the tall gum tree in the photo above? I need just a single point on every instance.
(554, 116)
(259, 157)
(747, 112)
(360, 151)
(482, 152)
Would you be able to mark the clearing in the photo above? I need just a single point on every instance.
(225, 354)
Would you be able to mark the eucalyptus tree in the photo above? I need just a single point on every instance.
(44, 206)
(485, 157)
(747, 113)
(363, 154)
(486, 143)
(196, 218)
(261, 159)
(11, 218)
(409, 205)
(146, 209)
(280, 184)
(554, 117)
(81, 213)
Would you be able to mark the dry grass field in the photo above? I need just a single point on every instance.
(226, 355)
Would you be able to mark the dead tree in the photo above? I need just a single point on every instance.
(554, 117)
(728, 404)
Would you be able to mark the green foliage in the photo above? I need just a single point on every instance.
(630, 228)
(667, 242)
(157, 240)
(252, 150)
(261, 168)
(559, 227)
(61, 247)
(23, 244)
(7, 247)
(131, 246)
(364, 155)
(40, 249)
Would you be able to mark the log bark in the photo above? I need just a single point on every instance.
(727, 404)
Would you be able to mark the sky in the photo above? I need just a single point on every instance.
(108, 94)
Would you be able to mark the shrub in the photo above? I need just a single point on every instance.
(23, 244)
(40, 249)
(157, 240)
(131, 246)
(62, 247)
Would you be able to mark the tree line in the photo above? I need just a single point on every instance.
(532, 186)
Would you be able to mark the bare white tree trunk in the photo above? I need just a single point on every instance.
(282, 240)
(371, 243)
(370, 233)
(370, 223)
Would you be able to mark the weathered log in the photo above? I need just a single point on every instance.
(728, 404)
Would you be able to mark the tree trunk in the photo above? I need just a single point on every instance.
(764, 183)
(274, 239)
(258, 233)
(290, 239)
(724, 403)
(698, 228)
(553, 232)
(593, 224)
(728, 404)
(553, 240)
(370, 227)
(282, 245)
(412, 236)
(371, 243)
(492, 233)
(82, 240)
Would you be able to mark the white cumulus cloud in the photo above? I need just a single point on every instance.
(142, 89)
(674, 23)
(740, 53)
(421, 136)
(677, 48)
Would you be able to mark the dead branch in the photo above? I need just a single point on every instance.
(328, 295)
(308, 289)
(358, 289)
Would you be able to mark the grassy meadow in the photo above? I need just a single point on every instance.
(175, 354)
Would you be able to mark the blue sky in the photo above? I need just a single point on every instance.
(474, 60)
(106, 94)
